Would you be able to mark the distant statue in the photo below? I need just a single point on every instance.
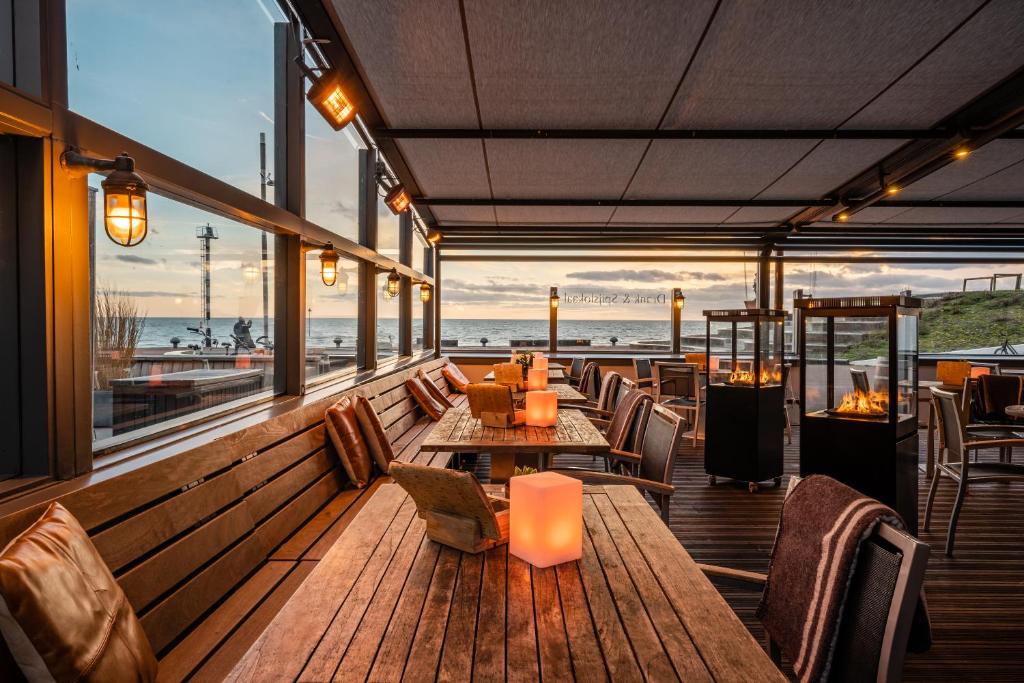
(240, 332)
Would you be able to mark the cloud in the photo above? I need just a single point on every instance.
(155, 293)
(646, 275)
(339, 207)
(135, 258)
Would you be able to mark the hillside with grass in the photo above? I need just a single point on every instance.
(960, 320)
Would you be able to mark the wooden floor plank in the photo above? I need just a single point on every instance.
(426, 645)
(489, 656)
(552, 642)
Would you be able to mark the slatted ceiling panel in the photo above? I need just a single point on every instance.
(452, 168)
(463, 215)
(561, 215)
(872, 214)
(953, 216)
(581, 64)
(552, 169)
(671, 215)
(827, 166)
(413, 59)
(714, 169)
(1006, 184)
(982, 163)
(761, 214)
(806, 64)
(985, 50)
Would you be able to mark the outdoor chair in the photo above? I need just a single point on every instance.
(954, 461)
(880, 606)
(644, 373)
(619, 431)
(651, 468)
(575, 373)
(682, 381)
(608, 395)
(590, 381)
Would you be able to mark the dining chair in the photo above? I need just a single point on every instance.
(575, 371)
(993, 394)
(669, 382)
(981, 369)
(590, 381)
(623, 428)
(879, 609)
(786, 396)
(644, 373)
(955, 463)
(650, 467)
(860, 380)
(609, 392)
(509, 374)
(684, 382)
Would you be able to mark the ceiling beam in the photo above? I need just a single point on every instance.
(644, 134)
(780, 203)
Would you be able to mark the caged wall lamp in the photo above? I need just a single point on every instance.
(426, 292)
(554, 298)
(434, 237)
(329, 265)
(394, 282)
(124, 195)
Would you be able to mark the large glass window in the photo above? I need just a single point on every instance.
(332, 175)
(193, 79)
(418, 342)
(332, 318)
(387, 320)
(180, 322)
(387, 231)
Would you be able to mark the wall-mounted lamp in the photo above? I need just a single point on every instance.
(434, 237)
(394, 282)
(342, 283)
(678, 300)
(329, 265)
(124, 195)
(426, 291)
(961, 152)
(554, 298)
(329, 98)
(841, 217)
(397, 199)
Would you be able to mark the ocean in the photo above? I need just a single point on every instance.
(323, 331)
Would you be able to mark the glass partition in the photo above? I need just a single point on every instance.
(387, 320)
(332, 318)
(179, 321)
(332, 175)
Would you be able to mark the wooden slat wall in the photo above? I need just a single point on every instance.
(182, 533)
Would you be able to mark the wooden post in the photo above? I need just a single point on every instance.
(367, 344)
(779, 283)
(553, 321)
(405, 303)
(676, 316)
(428, 308)
(437, 302)
(764, 279)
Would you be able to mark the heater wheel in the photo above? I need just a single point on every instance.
(712, 480)
(752, 487)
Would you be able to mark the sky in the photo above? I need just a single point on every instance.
(201, 90)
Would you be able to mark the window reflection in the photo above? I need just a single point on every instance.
(332, 318)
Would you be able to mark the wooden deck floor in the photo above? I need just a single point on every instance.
(976, 599)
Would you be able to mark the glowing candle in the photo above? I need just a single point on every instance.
(540, 363)
(536, 380)
(541, 408)
(546, 518)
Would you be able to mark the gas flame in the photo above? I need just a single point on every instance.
(747, 377)
(872, 403)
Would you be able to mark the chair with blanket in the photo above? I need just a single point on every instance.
(842, 598)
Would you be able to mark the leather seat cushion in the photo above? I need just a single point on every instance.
(374, 434)
(434, 390)
(456, 379)
(343, 429)
(429, 404)
(62, 613)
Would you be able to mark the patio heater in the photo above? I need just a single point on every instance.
(858, 395)
(746, 396)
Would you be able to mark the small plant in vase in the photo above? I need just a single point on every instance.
(525, 360)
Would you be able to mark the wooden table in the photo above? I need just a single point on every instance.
(460, 432)
(1016, 412)
(386, 604)
(566, 394)
(555, 376)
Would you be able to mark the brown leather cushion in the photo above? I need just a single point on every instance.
(373, 433)
(343, 429)
(456, 380)
(434, 390)
(63, 615)
(419, 392)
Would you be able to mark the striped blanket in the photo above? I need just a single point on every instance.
(823, 523)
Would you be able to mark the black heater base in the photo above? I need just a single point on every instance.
(869, 456)
(743, 433)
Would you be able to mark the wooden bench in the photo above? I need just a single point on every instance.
(209, 543)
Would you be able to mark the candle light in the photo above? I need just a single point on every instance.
(541, 408)
(546, 518)
(536, 379)
(540, 363)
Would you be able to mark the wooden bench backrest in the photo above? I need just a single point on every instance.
(181, 533)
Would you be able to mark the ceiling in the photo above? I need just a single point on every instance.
(458, 86)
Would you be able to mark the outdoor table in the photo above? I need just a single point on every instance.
(555, 376)
(387, 604)
(459, 432)
(566, 394)
(1016, 412)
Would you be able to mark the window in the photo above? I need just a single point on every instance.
(332, 175)
(418, 342)
(332, 318)
(387, 231)
(193, 79)
(180, 323)
(387, 320)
